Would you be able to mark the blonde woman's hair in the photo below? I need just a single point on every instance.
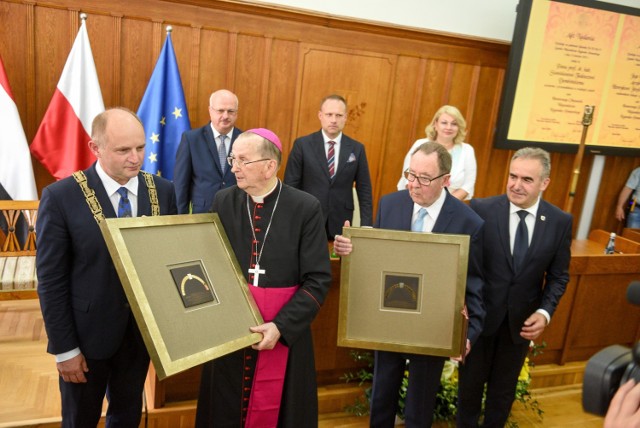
(452, 111)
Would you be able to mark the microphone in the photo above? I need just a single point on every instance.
(633, 293)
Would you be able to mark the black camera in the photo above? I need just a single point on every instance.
(610, 368)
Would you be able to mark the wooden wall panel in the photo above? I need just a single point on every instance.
(137, 60)
(281, 62)
(213, 67)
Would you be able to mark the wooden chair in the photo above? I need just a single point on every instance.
(18, 259)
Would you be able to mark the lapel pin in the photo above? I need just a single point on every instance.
(543, 218)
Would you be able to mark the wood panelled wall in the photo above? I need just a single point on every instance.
(281, 62)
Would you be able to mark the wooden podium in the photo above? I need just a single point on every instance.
(594, 312)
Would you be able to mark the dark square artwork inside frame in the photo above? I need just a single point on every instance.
(193, 284)
(401, 292)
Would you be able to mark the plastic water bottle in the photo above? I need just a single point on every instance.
(610, 249)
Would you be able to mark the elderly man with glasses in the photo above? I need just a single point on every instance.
(277, 235)
(201, 168)
(425, 206)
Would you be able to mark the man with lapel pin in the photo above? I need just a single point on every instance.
(527, 250)
(201, 160)
(327, 163)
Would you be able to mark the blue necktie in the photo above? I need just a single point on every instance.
(222, 153)
(418, 224)
(124, 206)
(521, 242)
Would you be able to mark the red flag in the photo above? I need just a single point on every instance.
(61, 143)
(16, 171)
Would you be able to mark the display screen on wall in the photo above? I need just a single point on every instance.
(565, 55)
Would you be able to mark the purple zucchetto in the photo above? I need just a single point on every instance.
(269, 135)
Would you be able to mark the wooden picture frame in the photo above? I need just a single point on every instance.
(185, 287)
(403, 291)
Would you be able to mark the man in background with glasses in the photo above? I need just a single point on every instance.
(425, 206)
(201, 168)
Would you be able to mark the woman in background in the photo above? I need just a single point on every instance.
(449, 128)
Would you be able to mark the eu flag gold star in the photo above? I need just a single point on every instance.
(177, 112)
(163, 121)
(153, 157)
(154, 137)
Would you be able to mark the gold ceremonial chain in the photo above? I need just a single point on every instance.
(94, 204)
(191, 276)
(153, 193)
(90, 196)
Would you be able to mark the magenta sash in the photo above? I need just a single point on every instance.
(268, 379)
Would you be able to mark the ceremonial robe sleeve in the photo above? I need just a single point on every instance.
(315, 276)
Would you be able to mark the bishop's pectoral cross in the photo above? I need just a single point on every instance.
(256, 271)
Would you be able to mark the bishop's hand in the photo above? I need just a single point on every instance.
(270, 336)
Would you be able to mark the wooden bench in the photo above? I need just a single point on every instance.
(18, 250)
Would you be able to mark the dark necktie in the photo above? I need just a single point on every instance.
(124, 206)
(331, 159)
(521, 242)
(418, 224)
(222, 153)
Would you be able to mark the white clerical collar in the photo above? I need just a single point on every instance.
(260, 199)
(533, 209)
(112, 186)
(336, 140)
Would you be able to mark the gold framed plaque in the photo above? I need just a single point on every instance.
(403, 291)
(185, 287)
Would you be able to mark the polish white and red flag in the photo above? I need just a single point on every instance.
(16, 171)
(61, 143)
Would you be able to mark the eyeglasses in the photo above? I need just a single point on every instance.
(423, 181)
(221, 111)
(231, 160)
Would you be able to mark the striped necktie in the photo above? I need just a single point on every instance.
(124, 206)
(222, 153)
(331, 159)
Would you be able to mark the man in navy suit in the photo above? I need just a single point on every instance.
(428, 176)
(201, 160)
(310, 169)
(521, 291)
(90, 327)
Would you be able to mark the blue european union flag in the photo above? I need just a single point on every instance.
(163, 112)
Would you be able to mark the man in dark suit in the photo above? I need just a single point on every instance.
(327, 163)
(89, 324)
(527, 249)
(428, 176)
(201, 160)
